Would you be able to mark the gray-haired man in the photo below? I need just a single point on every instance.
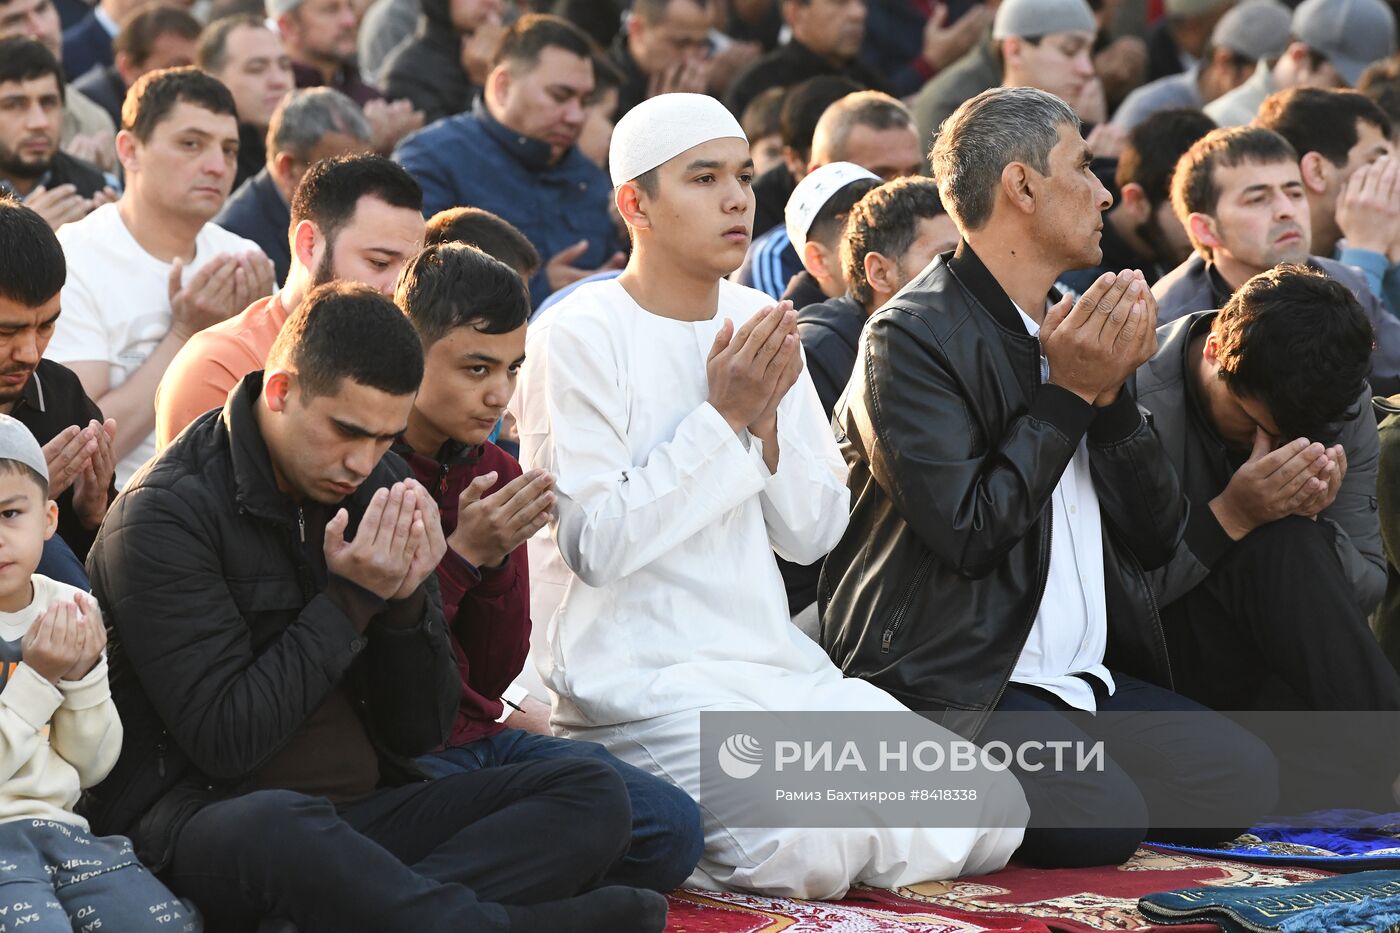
(991, 445)
(309, 125)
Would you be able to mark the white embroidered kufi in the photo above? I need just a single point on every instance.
(657, 130)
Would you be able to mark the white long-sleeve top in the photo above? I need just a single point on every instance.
(54, 741)
(667, 519)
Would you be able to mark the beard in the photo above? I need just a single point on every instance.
(325, 269)
(13, 165)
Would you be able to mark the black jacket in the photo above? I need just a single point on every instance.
(222, 644)
(635, 86)
(427, 69)
(830, 335)
(955, 447)
(792, 64)
(52, 401)
(257, 212)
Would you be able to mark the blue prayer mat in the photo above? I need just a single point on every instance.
(1332, 840)
(1367, 902)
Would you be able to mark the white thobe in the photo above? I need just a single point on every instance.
(672, 604)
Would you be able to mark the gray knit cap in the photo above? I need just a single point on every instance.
(1042, 18)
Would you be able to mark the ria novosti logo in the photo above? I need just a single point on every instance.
(740, 756)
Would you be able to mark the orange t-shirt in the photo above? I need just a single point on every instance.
(214, 361)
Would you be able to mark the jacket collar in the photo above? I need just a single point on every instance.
(451, 454)
(32, 395)
(532, 153)
(968, 269)
(255, 484)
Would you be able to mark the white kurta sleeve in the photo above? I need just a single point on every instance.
(806, 504)
(616, 516)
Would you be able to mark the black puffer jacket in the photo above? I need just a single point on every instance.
(954, 448)
(427, 68)
(222, 646)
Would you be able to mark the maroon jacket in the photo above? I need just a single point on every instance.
(487, 611)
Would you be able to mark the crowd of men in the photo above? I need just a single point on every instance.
(416, 416)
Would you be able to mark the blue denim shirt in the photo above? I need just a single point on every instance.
(472, 160)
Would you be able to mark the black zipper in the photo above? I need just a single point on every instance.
(897, 619)
(161, 748)
(301, 525)
(442, 480)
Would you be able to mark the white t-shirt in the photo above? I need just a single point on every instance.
(116, 303)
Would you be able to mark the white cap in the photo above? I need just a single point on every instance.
(812, 193)
(657, 130)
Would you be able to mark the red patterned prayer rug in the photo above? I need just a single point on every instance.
(1015, 900)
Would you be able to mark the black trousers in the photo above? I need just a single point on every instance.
(441, 855)
(1276, 627)
(1163, 754)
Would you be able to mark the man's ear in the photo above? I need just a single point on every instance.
(1134, 204)
(879, 272)
(1211, 350)
(816, 261)
(305, 239)
(1204, 230)
(497, 85)
(1018, 185)
(628, 200)
(1317, 171)
(128, 151)
(277, 388)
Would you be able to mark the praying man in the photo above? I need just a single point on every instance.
(688, 445)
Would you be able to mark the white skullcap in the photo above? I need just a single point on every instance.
(657, 130)
(812, 193)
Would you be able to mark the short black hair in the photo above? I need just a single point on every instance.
(24, 59)
(143, 27)
(492, 234)
(330, 190)
(885, 221)
(16, 468)
(1321, 120)
(32, 267)
(151, 98)
(344, 330)
(1297, 341)
(1153, 148)
(831, 217)
(453, 285)
(803, 107)
(212, 54)
(529, 36)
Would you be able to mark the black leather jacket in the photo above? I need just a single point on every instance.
(954, 448)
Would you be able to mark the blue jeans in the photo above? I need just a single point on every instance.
(666, 834)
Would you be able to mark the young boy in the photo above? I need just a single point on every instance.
(687, 445)
(470, 311)
(59, 732)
